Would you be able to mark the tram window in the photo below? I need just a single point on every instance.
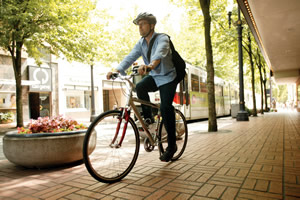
(185, 82)
(195, 83)
(232, 92)
(222, 91)
(218, 90)
(203, 86)
(226, 91)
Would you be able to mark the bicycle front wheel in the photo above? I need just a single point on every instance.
(181, 136)
(105, 158)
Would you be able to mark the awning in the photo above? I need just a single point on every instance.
(13, 82)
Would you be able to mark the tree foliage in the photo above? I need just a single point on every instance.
(279, 92)
(224, 39)
(75, 29)
(64, 25)
(61, 26)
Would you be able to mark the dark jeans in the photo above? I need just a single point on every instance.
(167, 92)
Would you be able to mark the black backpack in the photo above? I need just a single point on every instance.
(176, 58)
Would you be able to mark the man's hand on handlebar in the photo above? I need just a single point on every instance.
(143, 69)
(110, 75)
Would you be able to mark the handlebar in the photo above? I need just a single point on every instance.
(134, 72)
(114, 75)
(135, 69)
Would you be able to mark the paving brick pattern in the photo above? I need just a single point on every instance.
(259, 159)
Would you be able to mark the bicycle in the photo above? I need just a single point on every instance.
(109, 155)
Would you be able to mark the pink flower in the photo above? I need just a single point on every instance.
(53, 124)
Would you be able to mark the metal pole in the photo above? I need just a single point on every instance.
(92, 96)
(270, 79)
(242, 114)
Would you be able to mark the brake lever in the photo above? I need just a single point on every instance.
(135, 69)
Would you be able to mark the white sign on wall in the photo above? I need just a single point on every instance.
(43, 78)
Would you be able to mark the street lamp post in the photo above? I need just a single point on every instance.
(242, 114)
(93, 114)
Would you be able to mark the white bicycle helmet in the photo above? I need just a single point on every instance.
(146, 16)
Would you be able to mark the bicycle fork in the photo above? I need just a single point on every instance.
(125, 115)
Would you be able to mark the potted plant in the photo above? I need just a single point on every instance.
(7, 117)
(46, 142)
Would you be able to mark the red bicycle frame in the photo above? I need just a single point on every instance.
(125, 115)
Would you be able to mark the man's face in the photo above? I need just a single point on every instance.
(144, 27)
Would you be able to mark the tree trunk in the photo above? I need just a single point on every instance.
(252, 76)
(261, 82)
(17, 64)
(212, 120)
(261, 90)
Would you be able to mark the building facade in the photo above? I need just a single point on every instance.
(39, 87)
(58, 87)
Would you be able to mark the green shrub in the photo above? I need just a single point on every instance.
(248, 111)
(7, 116)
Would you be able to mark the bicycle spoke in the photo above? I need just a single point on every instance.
(181, 135)
(111, 162)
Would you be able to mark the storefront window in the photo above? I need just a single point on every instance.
(44, 105)
(87, 101)
(78, 99)
(7, 100)
(74, 102)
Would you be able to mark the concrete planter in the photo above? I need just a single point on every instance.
(43, 150)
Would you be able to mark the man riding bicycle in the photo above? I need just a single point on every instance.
(161, 77)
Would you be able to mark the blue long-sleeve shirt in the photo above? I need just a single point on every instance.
(165, 71)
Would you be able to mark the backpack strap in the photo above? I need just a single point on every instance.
(150, 46)
(171, 45)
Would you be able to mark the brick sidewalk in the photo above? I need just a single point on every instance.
(259, 159)
(7, 127)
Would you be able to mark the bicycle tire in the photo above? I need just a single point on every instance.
(181, 136)
(105, 162)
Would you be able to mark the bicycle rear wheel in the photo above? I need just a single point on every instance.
(107, 161)
(181, 136)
